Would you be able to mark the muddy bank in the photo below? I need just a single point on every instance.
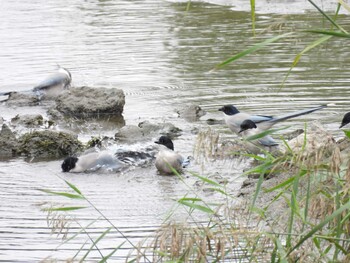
(314, 157)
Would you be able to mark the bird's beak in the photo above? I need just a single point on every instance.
(341, 126)
(157, 142)
(221, 109)
(241, 131)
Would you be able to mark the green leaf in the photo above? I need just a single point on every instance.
(263, 134)
(328, 17)
(252, 49)
(286, 182)
(68, 208)
(252, 13)
(73, 187)
(330, 33)
(197, 207)
(205, 179)
(94, 244)
(298, 56)
(112, 253)
(347, 133)
(190, 199)
(69, 195)
(320, 226)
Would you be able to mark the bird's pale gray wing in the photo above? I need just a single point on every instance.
(267, 141)
(260, 118)
(54, 80)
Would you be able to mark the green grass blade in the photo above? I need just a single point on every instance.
(347, 133)
(264, 133)
(286, 182)
(329, 33)
(252, 13)
(252, 49)
(82, 229)
(256, 193)
(320, 226)
(112, 253)
(207, 180)
(328, 17)
(262, 168)
(69, 195)
(73, 187)
(196, 207)
(68, 208)
(298, 56)
(94, 244)
(192, 199)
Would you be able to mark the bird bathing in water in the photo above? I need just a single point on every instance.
(167, 160)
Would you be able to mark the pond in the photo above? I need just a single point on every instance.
(162, 56)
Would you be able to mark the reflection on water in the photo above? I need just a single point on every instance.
(161, 56)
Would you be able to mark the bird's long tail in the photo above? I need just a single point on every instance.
(296, 114)
(7, 93)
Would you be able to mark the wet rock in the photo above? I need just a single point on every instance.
(150, 130)
(48, 144)
(22, 99)
(212, 121)
(28, 120)
(8, 142)
(146, 130)
(239, 147)
(91, 102)
(291, 135)
(131, 133)
(191, 113)
(54, 115)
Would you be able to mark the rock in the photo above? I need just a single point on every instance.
(191, 113)
(91, 102)
(344, 144)
(146, 130)
(291, 135)
(129, 133)
(150, 130)
(8, 142)
(318, 140)
(22, 99)
(28, 120)
(48, 144)
(212, 121)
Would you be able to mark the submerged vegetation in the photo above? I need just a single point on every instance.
(298, 210)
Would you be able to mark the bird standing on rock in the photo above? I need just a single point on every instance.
(52, 86)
